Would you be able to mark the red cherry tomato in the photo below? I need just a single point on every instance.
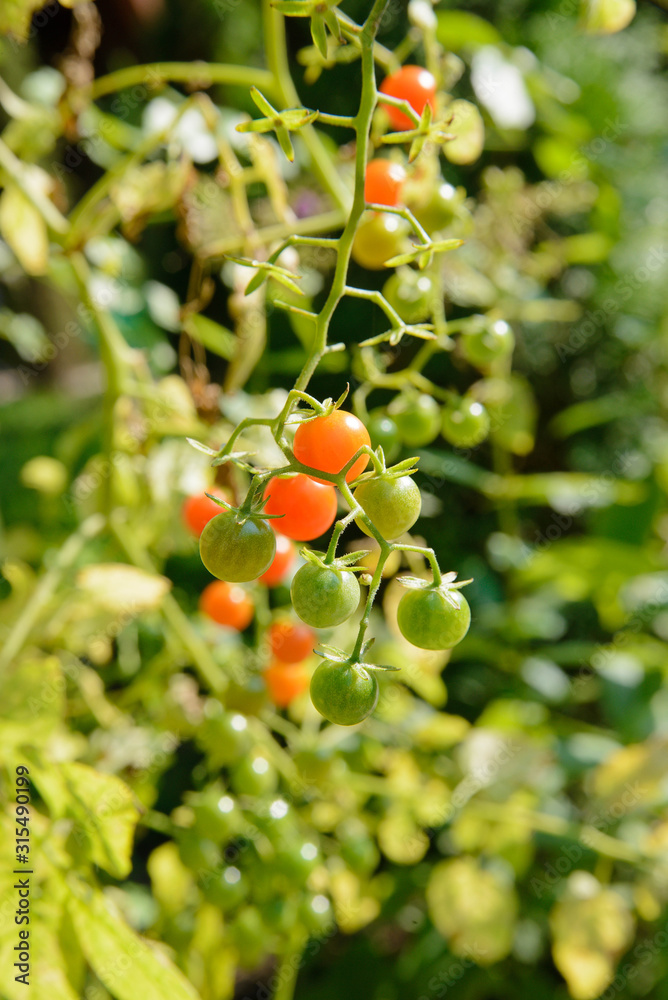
(283, 560)
(329, 442)
(197, 510)
(383, 182)
(309, 507)
(291, 642)
(286, 681)
(228, 604)
(413, 84)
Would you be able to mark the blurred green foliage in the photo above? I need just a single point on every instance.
(499, 828)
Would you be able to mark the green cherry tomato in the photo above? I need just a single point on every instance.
(226, 889)
(486, 342)
(344, 693)
(254, 775)
(392, 502)
(250, 936)
(360, 854)
(379, 236)
(409, 294)
(466, 423)
(383, 431)
(237, 549)
(298, 860)
(216, 816)
(431, 620)
(198, 853)
(440, 210)
(316, 914)
(324, 596)
(418, 418)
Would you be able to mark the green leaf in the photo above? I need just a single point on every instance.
(210, 335)
(458, 29)
(25, 230)
(198, 446)
(285, 143)
(122, 960)
(102, 807)
(605, 17)
(262, 103)
(319, 34)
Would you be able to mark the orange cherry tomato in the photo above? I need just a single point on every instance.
(283, 560)
(197, 510)
(308, 507)
(286, 681)
(228, 604)
(291, 642)
(413, 84)
(327, 443)
(383, 182)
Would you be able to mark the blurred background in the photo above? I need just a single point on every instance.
(499, 829)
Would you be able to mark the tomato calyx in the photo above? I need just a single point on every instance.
(446, 586)
(317, 408)
(406, 467)
(252, 509)
(344, 562)
(338, 655)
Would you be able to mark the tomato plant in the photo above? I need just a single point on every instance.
(227, 604)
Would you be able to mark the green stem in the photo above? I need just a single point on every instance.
(20, 174)
(45, 589)
(429, 554)
(285, 93)
(155, 75)
(288, 970)
(176, 620)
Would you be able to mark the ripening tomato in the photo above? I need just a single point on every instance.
(283, 561)
(329, 442)
(227, 604)
(197, 510)
(237, 548)
(291, 642)
(308, 507)
(413, 84)
(383, 182)
(286, 681)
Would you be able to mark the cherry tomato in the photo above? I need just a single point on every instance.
(198, 853)
(286, 681)
(413, 84)
(418, 418)
(392, 502)
(197, 510)
(283, 561)
(216, 817)
(379, 236)
(291, 642)
(439, 211)
(409, 294)
(324, 596)
(383, 182)
(383, 431)
(344, 693)
(428, 619)
(308, 507)
(254, 775)
(466, 423)
(226, 889)
(237, 549)
(487, 342)
(227, 604)
(327, 443)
